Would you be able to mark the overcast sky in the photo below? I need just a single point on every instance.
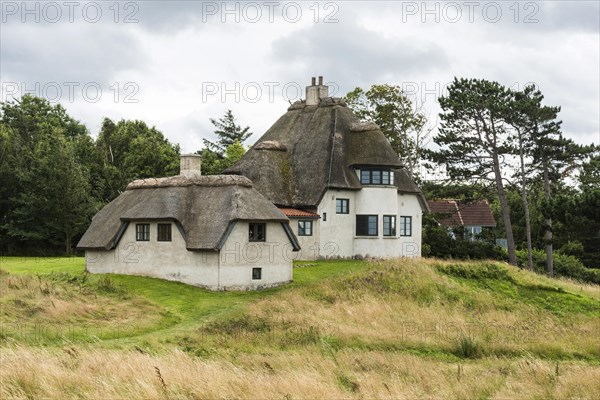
(174, 65)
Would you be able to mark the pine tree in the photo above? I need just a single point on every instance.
(473, 139)
(228, 132)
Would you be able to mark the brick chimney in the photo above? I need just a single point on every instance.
(315, 92)
(190, 165)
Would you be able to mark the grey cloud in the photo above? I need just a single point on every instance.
(63, 53)
(350, 53)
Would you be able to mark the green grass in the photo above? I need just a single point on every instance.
(184, 306)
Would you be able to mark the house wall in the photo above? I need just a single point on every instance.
(337, 233)
(229, 269)
(239, 257)
(309, 244)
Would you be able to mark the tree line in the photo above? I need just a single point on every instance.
(55, 176)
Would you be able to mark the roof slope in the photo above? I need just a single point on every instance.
(312, 148)
(453, 213)
(203, 207)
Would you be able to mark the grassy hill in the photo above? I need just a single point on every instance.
(343, 329)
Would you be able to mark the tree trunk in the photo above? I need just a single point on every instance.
(525, 206)
(68, 242)
(548, 234)
(512, 256)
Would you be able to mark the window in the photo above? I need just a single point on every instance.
(376, 176)
(366, 225)
(389, 225)
(258, 232)
(142, 232)
(256, 273)
(164, 232)
(305, 228)
(473, 232)
(324, 217)
(342, 206)
(405, 226)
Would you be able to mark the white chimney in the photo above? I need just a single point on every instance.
(190, 165)
(316, 92)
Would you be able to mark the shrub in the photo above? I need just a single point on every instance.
(564, 265)
(467, 348)
(574, 249)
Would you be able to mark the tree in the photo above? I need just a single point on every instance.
(220, 155)
(212, 164)
(45, 195)
(473, 139)
(228, 132)
(400, 120)
(130, 150)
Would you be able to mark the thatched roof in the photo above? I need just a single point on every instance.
(313, 148)
(203, 208)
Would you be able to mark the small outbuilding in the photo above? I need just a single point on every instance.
(215, 232)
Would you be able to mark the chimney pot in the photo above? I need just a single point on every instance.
(190, 165)
(315, 93)
(313, 81)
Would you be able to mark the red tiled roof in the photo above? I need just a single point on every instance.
(453, 213)
(295, 213)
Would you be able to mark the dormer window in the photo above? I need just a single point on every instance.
(376, 176)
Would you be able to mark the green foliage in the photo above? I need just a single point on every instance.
(466, 347)
(509, 289)
(213, 164)
(55, 177)
(437, 242)
(228, 132)
(564, 265)
(399, 119)
(46, 199)
(478, 272)
(574, 249)
(130, 150)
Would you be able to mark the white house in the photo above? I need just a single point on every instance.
(338, 180)
(216, 232)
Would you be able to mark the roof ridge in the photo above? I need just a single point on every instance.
(184, 181)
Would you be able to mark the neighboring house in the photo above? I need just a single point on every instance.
(475, 217)
(338, 180)
(216, 232)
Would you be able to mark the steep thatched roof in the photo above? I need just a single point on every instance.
(313, 148)
(203, 208)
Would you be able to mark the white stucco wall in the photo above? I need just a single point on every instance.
(229, 269)
(337, 234)
(239, 256)
(310, 245)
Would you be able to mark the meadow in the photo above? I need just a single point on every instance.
(420, 328)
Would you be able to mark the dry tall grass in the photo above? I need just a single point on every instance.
(352, 374)
(403, 329)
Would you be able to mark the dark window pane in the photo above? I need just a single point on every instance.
(256, 273)
(389, 225)
(376, 177)
(164, 232)
(366, 225)
(385, 177)
(341, 206)
(304, 228)
(142, 232)
(257, 232)
(365, 176)
(405, 226)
